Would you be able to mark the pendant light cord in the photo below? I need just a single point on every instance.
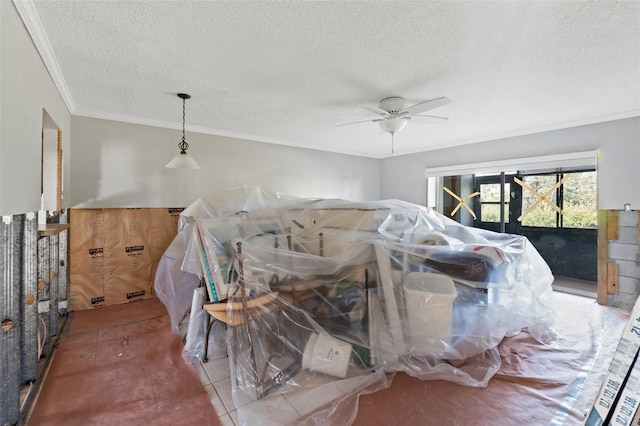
(392, 144)
(184, 146)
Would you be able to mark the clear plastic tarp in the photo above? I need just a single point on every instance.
(323, 300)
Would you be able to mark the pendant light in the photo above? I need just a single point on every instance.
(182, 160)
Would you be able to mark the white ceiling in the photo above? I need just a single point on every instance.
(288, 71)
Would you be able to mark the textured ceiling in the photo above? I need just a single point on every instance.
(289, 71)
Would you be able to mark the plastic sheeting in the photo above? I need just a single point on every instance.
(536, 384)
(326, 298)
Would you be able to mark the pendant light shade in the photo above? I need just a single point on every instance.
(182, 160)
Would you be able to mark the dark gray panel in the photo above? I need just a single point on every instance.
(10, 272)
(29, 300)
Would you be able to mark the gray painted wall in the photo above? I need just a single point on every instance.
(25, 89)
(119, 164)
(618, 172)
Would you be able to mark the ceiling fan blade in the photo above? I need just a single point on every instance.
(356, 122)
(427, 119)
(375, 110)
(426, 105)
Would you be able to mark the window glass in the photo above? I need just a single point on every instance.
(491, 213)
(490, 192)
(579, 201)
(490, 202)
(542, 214)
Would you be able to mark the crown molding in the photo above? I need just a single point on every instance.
(27, 11)
(203, 130)
(525, 132)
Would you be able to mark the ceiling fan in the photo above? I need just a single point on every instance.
(395, 114)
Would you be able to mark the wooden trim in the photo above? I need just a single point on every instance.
(612, 278)
(59, 172)
(42, 162)
(612, 224)
(52, 229)
(603, 257)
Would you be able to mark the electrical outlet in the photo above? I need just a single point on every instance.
(44, 306)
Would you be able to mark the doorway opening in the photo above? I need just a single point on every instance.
(51, 168)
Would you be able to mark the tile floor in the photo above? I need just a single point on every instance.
(215, 377)
(215, 374)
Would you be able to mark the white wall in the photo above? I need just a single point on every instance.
(119, 164)
(25, 89)
(618, 171)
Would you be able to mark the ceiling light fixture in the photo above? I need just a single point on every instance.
(182, 160)
(393, 125)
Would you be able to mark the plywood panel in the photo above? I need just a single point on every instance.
(602, 257)
(612, 278)
(612, 225)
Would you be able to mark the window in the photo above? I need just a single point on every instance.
(576, 198)
(529, 193)
(536, 212)
(579, 197)
(490, 202)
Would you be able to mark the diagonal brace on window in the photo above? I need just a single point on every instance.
(541, 197)
(462, 201)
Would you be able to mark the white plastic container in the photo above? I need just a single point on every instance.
(326, 354)
(429, 303)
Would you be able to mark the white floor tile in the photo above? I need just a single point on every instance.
(309, 399)
(223, 387)
(273, 410)
(216, 402)
(202, 374)
(234, 417)
(217, 369)
(226, 420)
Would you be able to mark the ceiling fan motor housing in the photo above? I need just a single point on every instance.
(393, 105)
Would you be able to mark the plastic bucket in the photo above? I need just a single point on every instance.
(429, 303)
(326, 354)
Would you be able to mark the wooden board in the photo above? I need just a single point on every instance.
(612, 224)
(232, 313)
(603, 258)
(612, 278)
(236, 305)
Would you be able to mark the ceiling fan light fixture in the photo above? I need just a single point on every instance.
(182, 160)
(393, 125)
